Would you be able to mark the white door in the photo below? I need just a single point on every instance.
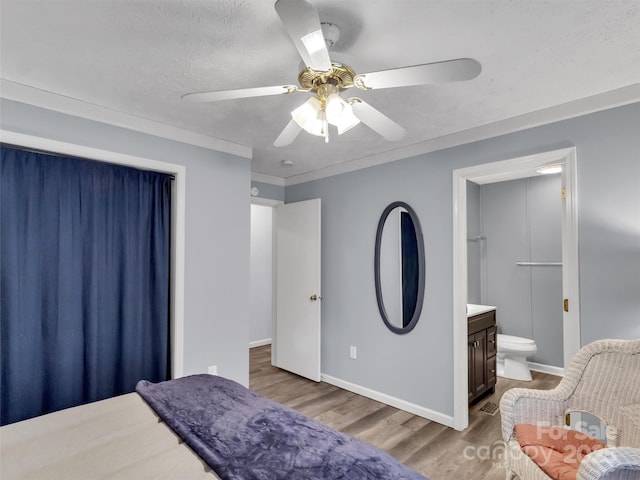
(297, 322)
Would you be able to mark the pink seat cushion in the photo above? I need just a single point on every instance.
(557, 451)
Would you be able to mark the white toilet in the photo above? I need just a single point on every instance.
(511, 356)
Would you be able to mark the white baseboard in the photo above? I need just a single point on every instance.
(260, 343)
(389, 400)
(539, 367)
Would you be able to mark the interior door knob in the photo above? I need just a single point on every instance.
(314, 297)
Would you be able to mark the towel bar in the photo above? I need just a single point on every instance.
(539, 264)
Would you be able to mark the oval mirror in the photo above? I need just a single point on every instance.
(399, 267)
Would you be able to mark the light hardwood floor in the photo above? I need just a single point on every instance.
(436, 451)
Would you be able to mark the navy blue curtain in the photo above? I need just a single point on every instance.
(84, 281)
(410, 268)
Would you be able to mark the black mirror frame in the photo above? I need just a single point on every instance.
(421, 268)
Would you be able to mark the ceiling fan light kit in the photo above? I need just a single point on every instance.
(326, 108)
(309, 117)
(344, 119)
(326, 80)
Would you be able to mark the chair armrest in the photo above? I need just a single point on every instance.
(617, 463)
(526, 405)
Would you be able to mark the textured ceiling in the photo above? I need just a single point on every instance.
(139, 57)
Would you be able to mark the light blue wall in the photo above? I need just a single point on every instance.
(418, 367)
(522, 222)
(267, 190)
(216, 330)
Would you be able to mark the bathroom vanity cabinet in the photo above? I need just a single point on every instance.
(482, 354)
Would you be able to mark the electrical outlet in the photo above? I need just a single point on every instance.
(353, 352)
(212, 370)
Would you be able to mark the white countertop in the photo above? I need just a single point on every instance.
(473, 310)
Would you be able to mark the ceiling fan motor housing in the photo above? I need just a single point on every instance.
(340, 75)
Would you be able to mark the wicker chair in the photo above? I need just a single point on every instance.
(602, 379)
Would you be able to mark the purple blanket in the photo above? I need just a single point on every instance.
(244, 436)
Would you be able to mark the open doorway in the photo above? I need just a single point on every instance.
(262, 274)
(521, 167)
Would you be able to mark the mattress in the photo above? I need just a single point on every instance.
(235, 434)
(118, 438)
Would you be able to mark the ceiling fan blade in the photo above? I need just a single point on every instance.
(239, 93)
(428, 73)
(377, 121)
(288, 134)
(302, 23)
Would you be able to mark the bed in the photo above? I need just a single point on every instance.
(196, 427)
(116, 438)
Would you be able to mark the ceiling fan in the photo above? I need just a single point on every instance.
(326, 80)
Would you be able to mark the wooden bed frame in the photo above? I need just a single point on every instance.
(117, 438)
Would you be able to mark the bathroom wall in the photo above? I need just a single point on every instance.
(475, 245)
(521, 220)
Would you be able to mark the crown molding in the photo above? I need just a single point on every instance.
(60, 103)
(71, 106)
(270, 179)
(603, 101)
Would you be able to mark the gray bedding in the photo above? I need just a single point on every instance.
(244, 436)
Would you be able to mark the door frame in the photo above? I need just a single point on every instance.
(520, 167)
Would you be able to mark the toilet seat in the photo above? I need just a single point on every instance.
(515, 341)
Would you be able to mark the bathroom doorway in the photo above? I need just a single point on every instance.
(514, 251)
(512, 169)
